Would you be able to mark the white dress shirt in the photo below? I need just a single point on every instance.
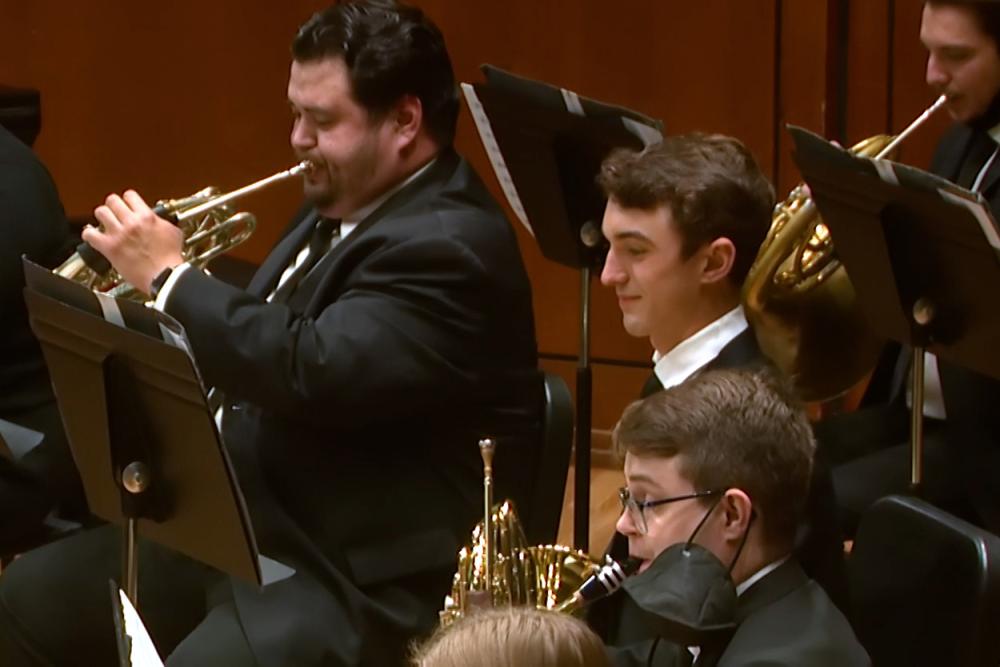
(694, 352)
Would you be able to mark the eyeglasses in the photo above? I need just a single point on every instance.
(637, 509)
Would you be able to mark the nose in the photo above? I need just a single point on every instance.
(625, 525)
(937, 76)
(303, 136)
(612, 273)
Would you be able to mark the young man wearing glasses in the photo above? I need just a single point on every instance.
(724, 461)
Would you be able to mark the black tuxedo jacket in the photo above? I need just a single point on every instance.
(33, 224)
(353, 412)
(783, 619)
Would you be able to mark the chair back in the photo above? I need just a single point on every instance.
(553, 462)
(925, 587)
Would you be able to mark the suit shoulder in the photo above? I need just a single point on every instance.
(802, 628)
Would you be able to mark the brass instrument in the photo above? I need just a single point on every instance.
(799, 299)
(499, 569)
(211, 227)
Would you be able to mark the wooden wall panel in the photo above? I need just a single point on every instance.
(802, 86)
(868, 73)
(164, 97)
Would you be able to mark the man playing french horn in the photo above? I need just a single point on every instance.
(388, 330)
(961, 421)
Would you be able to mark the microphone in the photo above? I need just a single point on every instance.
(608, 579)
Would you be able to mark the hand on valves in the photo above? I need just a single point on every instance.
(138, 243)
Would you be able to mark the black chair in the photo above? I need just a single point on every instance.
(553, 462)
(925, 587)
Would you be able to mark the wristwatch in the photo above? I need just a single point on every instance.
(159, 281)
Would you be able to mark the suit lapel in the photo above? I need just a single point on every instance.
(948, 160)
(948, 163)
(267, 275)
(740, 351)
(774, 586)
(990, 180)
(413, 195)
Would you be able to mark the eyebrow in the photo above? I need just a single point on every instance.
(629, 234)
(643, 478)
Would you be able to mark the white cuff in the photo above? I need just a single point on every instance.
(161, 299)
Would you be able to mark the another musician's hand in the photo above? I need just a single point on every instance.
(138, 244)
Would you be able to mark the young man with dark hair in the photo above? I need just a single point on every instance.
(724, 460)
(355, 390)
(962, 424)
(685, 219)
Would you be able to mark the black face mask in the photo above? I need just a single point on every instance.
(688, 594)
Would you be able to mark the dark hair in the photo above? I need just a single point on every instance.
(511, 637)
(986, 13)
(730, 429)
(391, 50)
(711, 183)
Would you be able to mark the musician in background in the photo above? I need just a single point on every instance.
(962, 423)
(684, 220)
(724, 460)
(33, 224)
(386, 333)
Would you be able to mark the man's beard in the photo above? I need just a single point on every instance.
(323, 195)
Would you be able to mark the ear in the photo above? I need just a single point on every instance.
(718, 257)
(736, 509)
(407, 120)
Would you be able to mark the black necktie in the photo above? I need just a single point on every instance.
(319, 244)
(980, 151)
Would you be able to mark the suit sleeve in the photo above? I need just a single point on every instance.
(403, 335)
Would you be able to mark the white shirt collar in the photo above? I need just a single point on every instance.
(994, 133)
(694, 352)
(350, 221)
(760, 574)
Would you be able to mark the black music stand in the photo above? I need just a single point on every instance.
(923, 254)
(139, 427)
(546, 145)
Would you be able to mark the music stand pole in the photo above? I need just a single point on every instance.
(135, 480)
(591, 238)
(581, 506)
(923, 315)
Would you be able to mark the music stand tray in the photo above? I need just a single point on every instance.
(139, 427)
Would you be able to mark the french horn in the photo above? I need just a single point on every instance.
(799, 299)
(500, 569)
(210, 224)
